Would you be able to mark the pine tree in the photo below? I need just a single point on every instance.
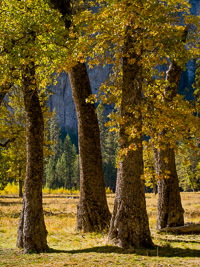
(61, 171)
(109, 160)
(109, 149)
(188, 166)
(76, 173)
(56, 149)
(70, 156)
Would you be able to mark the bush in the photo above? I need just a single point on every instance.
(60, 191)
(10, 189)
(108, 190)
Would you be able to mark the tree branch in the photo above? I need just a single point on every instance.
(7, 142)
(186, 229)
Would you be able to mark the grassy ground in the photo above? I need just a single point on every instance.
(69, 248)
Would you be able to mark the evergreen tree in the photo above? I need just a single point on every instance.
(188, 168)
(102, 119)
(76, 173)
(109, 146)
(62, 167)
(109, 160)
(70, 156)
(49, 173)
(61, 171)
(56, 148)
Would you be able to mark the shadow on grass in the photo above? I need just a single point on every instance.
(2, 203)
(157, 251)
(10, 203)
(46, 196)
(179, 240)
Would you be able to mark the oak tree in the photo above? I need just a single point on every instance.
(27, 30)
(92, 210)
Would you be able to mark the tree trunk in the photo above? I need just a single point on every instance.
(170, 210)
(20, 188)
(129, 223)
(92, 211)
(32, 233)
(2, 95)
(155, 187)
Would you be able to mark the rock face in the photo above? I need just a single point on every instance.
(62, 100)
(195, 7)
(188, 76)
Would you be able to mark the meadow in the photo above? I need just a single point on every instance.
(69, 248)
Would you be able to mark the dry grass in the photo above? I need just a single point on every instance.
(69, 248)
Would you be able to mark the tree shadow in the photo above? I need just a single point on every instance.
(166, 251)
(2, 203)
(9, 203)
(46, 196)
(179, 240)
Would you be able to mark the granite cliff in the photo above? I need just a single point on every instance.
(62, 100)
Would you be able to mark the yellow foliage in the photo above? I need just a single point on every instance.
(13, 189)
(108, 190)
(60, 191)
(10, 189)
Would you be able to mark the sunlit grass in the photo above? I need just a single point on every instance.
(70, 248)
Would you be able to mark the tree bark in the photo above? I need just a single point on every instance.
(92, 211)
(129, 223)
(20, 188)
(186, 229)
(2, 95)
(170, 210)
(32, 233)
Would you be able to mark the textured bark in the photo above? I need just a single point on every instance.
(20, 188)
(129, 223)
(170, 210)
(32, 234)
(92, 211)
